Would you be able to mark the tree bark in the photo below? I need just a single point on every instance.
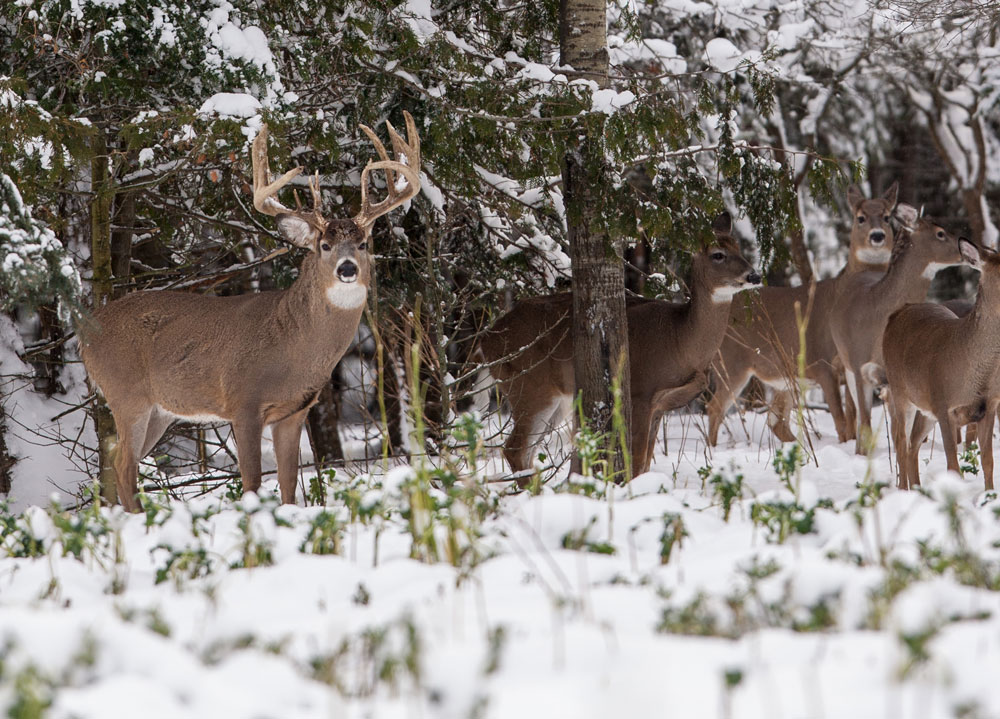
(6, 461)
(324, 423)
(600, 330)
(121, 243)
(100, 256)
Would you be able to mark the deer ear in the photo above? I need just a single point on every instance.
(907, 215)
(970, 253)
(296, 230)
(854, 197)
(890, 195)
(723, 224)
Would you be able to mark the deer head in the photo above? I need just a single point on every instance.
(340, 247)
(720, 267)
(871, 231)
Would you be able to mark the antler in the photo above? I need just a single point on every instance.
(409, 150)
(264, 190)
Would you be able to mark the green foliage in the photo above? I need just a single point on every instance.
(727, 490)
(781, 519)
(968, 460)
(579, 539)
(324, 536)
(672, 535)
(34, 266)
(787, 463)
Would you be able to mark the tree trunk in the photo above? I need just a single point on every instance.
(121, 243)
(600, 331)
(100, 256)
(6, 461)
(324, 423)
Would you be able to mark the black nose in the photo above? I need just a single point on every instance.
(347, 271)
(753, 278)
(877, 238)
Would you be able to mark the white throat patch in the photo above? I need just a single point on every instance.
(347, 295)
(934, 267)
(726, 294)
(871, 256)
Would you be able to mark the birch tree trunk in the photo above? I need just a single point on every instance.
(600, 332)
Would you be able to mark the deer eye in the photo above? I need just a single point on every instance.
(363, 246)
(861, 220)
(940, 234)
(326, 247)
(886, 218)
(718, 256)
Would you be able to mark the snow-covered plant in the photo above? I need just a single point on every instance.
(34, 266)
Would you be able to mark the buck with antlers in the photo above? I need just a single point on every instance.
(252, 360)
(530, 351)
(763, 339)
(865, 300)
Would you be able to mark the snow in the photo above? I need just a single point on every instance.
(610, 101)
(723, 55)
(231, 104)
(160, 608)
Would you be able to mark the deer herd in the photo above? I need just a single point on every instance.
(260, 360)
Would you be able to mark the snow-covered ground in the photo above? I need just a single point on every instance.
(710, 587)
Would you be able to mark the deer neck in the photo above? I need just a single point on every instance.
(855, 264)
(908, 277)
(704, 326)
(978, 338)
(305, 309)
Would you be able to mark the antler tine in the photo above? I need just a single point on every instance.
(409, 148)
(410, 151)
(317, 200)
(263, 189)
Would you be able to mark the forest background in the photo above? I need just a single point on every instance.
(124, 132)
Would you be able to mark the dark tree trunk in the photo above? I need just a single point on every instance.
(100, 256)
(121, 243)
(6, 461)
(392, 397)
(324, 423)
(48, 364)
(600, 332)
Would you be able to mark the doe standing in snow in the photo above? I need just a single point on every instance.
(530, 351)
(253, 360)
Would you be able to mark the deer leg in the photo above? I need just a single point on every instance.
(726, 389)
(984, 432)
(531, 415)
(861, 392)
(921, 427)
(654, 432)
(830, 385)
(642, 447)
(247, 433)
(131, 433)
(777, 416)
(286, 434)
(900, 419)
(850, 415)
(158, 423)
(948, 438)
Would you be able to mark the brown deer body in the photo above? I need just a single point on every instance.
(865, 300)
(943, 367)
(252, 360)
(670, 348)
(763, 340)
